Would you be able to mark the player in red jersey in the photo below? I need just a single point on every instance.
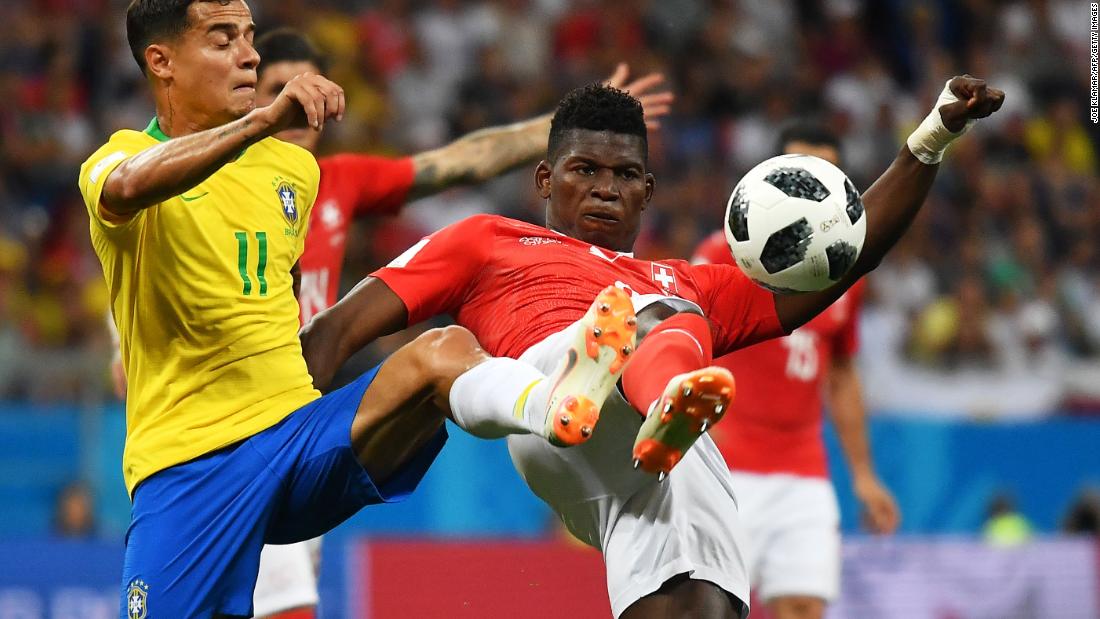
(671, 549)
(353, 185)
(773, 441)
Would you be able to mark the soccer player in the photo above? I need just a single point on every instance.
(198, 222)
(673, 548)
(772, 441)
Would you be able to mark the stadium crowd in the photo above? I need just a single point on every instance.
(990, 306)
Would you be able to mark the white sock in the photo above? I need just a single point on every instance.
(498, 397)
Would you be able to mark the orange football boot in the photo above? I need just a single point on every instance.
(588, 374)
(690, 404)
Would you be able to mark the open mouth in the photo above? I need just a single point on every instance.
(245, 88)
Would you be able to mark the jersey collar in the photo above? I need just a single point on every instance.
(155, 132)
(628, 254)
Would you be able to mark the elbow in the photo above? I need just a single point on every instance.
(122, 193)
(869, 260)
(313, 335)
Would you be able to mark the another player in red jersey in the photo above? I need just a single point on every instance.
(354, 185)
(773, 442)
(671, 549)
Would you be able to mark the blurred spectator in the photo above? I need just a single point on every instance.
(74, 512)
(1005, 526)
(1083, 517)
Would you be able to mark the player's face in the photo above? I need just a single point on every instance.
(821, 151)
(272, 79)
(211, 66)
(597, 188)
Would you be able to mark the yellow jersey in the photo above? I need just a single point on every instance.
(201, 292)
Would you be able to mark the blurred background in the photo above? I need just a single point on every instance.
(980, 340)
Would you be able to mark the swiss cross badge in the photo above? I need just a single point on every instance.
(665, 277)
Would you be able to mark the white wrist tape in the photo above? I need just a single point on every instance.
(931, 138)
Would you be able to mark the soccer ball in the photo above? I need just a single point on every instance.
(795, 223)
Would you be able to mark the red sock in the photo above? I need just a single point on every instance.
(676, 345)
(297, 613)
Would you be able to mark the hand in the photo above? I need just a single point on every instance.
(976, 100)
(880, 511)
(118, 377)
(654, 105)
(307, 100)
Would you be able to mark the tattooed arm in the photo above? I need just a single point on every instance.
(484, 154)
(479, 156)
(173, 167)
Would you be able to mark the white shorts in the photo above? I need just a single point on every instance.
(288, 577)
(648, 532)
(793, 527)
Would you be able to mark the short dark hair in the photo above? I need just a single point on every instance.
(287, 45)
(808, 131)
(596, 107)
(149, 20)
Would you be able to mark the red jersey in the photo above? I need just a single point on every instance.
(774, 423)
(351, 185)
(513, 284)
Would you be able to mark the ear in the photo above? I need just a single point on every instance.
(542, 179)
(158, 61)
(650, 185)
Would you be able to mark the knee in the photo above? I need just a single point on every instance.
(444, 351)
(653, 314)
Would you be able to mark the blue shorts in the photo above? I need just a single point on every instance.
(196, 529)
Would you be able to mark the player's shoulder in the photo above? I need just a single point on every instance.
(130, 136)
(121, 145)
(126, 141)
(713, 250)
(290, 157)
(494, 224)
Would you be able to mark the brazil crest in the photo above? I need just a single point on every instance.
(137, 598)
(288, 199)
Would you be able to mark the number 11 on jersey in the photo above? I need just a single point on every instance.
(261, 264)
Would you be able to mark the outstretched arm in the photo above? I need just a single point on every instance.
(370, 311)
(487, 153)
(171, 168)
(895, 198)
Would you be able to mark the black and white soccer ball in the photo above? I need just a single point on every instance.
(795, 223)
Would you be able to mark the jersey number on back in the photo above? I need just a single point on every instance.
(802, 359)
(261, 263)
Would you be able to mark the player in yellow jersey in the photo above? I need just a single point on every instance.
(199, 221)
